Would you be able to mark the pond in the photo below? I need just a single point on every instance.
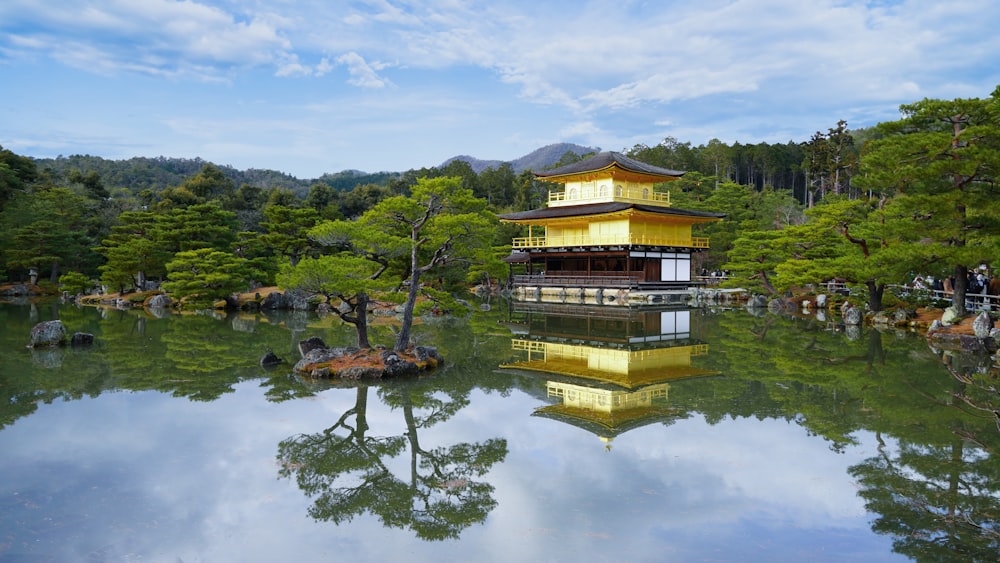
(552, 434)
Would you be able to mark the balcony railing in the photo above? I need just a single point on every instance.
(637, 195)
(608, 240)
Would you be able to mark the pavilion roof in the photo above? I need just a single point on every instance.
(608, 161)
(609, 425)
(602, 208)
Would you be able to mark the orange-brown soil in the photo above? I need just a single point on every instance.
(926, 316)
(369, 358)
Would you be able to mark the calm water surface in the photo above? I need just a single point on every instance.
(551, 435)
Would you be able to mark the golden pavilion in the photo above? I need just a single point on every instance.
(608, 235)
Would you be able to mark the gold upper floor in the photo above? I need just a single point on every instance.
(626, 228)
(607, 190)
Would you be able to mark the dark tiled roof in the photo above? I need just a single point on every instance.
(517, 257)
(601, 208)
(603, 160)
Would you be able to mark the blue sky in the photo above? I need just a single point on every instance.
(314, 86)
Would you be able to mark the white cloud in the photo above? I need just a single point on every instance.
(363, 73)
(292, 67)
(182, 38)
(323, 67)
(584, 131)
(667, 88)
(608, 75)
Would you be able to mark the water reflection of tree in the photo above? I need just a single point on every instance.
(938, 492)
(26, 381)
(788, 368)
(936, 489)
(196, 356)
(941, 502)
(347, 471)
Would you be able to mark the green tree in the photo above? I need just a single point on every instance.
(346, 276)
(74, 283)
(248, 204)
(746, 210)
(362, 198)
(717, 155)
(133, 252)
(457, 168)
(247, 197)
(143, 242)
(358, 267)
(48, 227)
(16, 174)
(529, 193)
(570, 157)
(846, 239)
(440, 224)
(209, 183)
(282, 196)
(260, 256)
(91, 182)
(203, 225)
(948, 154)
(830, 160)
(754, 258)
(173, 198)
(286, 231)
(496, 185)
(205, 274)
(325, 200)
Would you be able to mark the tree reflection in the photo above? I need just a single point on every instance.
(198, 356)
(347, 471)
(938, 492)
(935, 485)
(940, 502)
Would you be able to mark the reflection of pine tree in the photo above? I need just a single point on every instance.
(445, 499)
(976, 391)
(346, 453)
(941, 503)
(938, 493)
(347, 471)
(787, 368)
(194, 356)
(203, 345)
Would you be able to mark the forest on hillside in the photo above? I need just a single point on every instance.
(869, 206)
(792, 166)
(135, 175)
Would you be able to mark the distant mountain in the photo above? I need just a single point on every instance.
(141, 173)
(538, 159)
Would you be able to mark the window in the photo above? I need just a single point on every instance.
(676, 269)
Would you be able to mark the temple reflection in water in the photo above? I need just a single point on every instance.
(608, 371)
